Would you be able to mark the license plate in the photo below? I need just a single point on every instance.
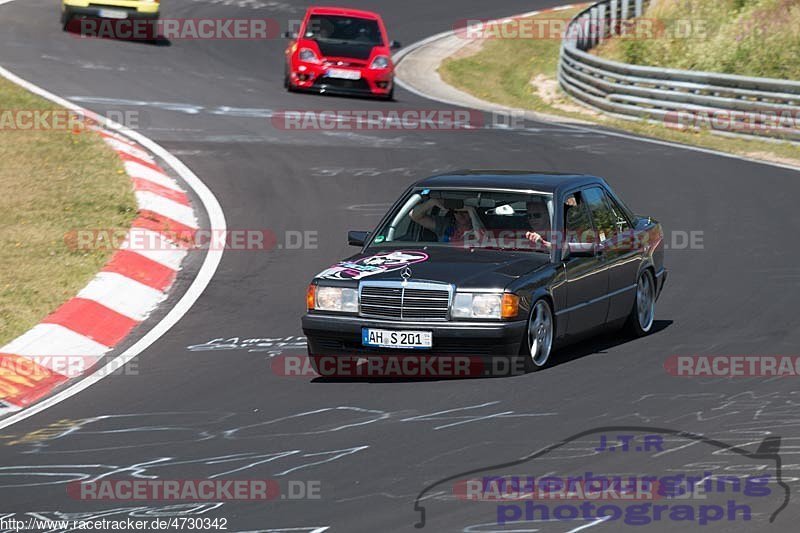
(385, 338)
(344, 74)
(112, 14)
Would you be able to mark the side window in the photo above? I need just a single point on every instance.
(577, 220)
(621, 224)
(602, 215)
(404, 231)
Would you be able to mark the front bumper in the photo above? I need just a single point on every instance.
(134, 10)
(372, 82)
(341, 335)
(94, 13)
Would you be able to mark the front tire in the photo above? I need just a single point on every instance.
(539, 337)
(642, 316)
(316, 363)
(287, 82)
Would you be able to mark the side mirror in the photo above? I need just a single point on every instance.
(581, 249)
(290, 34)
(394, 45)
(357, 238)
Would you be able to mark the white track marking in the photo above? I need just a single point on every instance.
(137, 170)
(162, 205)
(156, 247)
(205, 274)
(122, 294)
(590, 524)
(53, 339)
(126, 148)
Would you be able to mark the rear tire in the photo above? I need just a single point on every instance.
(155, 38)
(642, 316)
(66, 18)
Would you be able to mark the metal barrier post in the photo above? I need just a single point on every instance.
(614, 21)
(601, 20)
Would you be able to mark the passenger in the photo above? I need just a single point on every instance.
(454, 225)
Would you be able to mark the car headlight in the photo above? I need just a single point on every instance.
(380, 62)
(481, 305)
(332, 299)
(308, 55)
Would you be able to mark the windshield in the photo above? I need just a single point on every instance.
(470, 219)
(350, 30)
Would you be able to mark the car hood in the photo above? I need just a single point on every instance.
(492, 269)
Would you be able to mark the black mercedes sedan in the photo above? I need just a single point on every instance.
(490, 264)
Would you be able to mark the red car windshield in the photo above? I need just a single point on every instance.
(345, 30)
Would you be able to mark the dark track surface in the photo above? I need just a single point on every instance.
(370, 444)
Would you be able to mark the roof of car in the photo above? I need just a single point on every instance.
(342, 11)
(509, 179)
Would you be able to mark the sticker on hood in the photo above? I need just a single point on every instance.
(373, 264)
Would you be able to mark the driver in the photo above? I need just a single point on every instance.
(539, 222)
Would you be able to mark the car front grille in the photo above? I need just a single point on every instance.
(337, 63)
(414, 301)
(324, 82)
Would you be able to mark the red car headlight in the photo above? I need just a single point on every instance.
(379, 62)
(308, 55)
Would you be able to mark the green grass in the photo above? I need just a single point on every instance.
(51, 182)
(747, 37)
(502, 71)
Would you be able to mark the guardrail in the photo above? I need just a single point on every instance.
(724, 103)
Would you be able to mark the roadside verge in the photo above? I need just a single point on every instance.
(73, 341)
(420, 67)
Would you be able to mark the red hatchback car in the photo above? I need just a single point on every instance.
(343, 51)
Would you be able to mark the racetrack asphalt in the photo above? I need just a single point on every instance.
(192, 412)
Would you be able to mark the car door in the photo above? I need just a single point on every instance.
(619, 249)
(586, 277)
